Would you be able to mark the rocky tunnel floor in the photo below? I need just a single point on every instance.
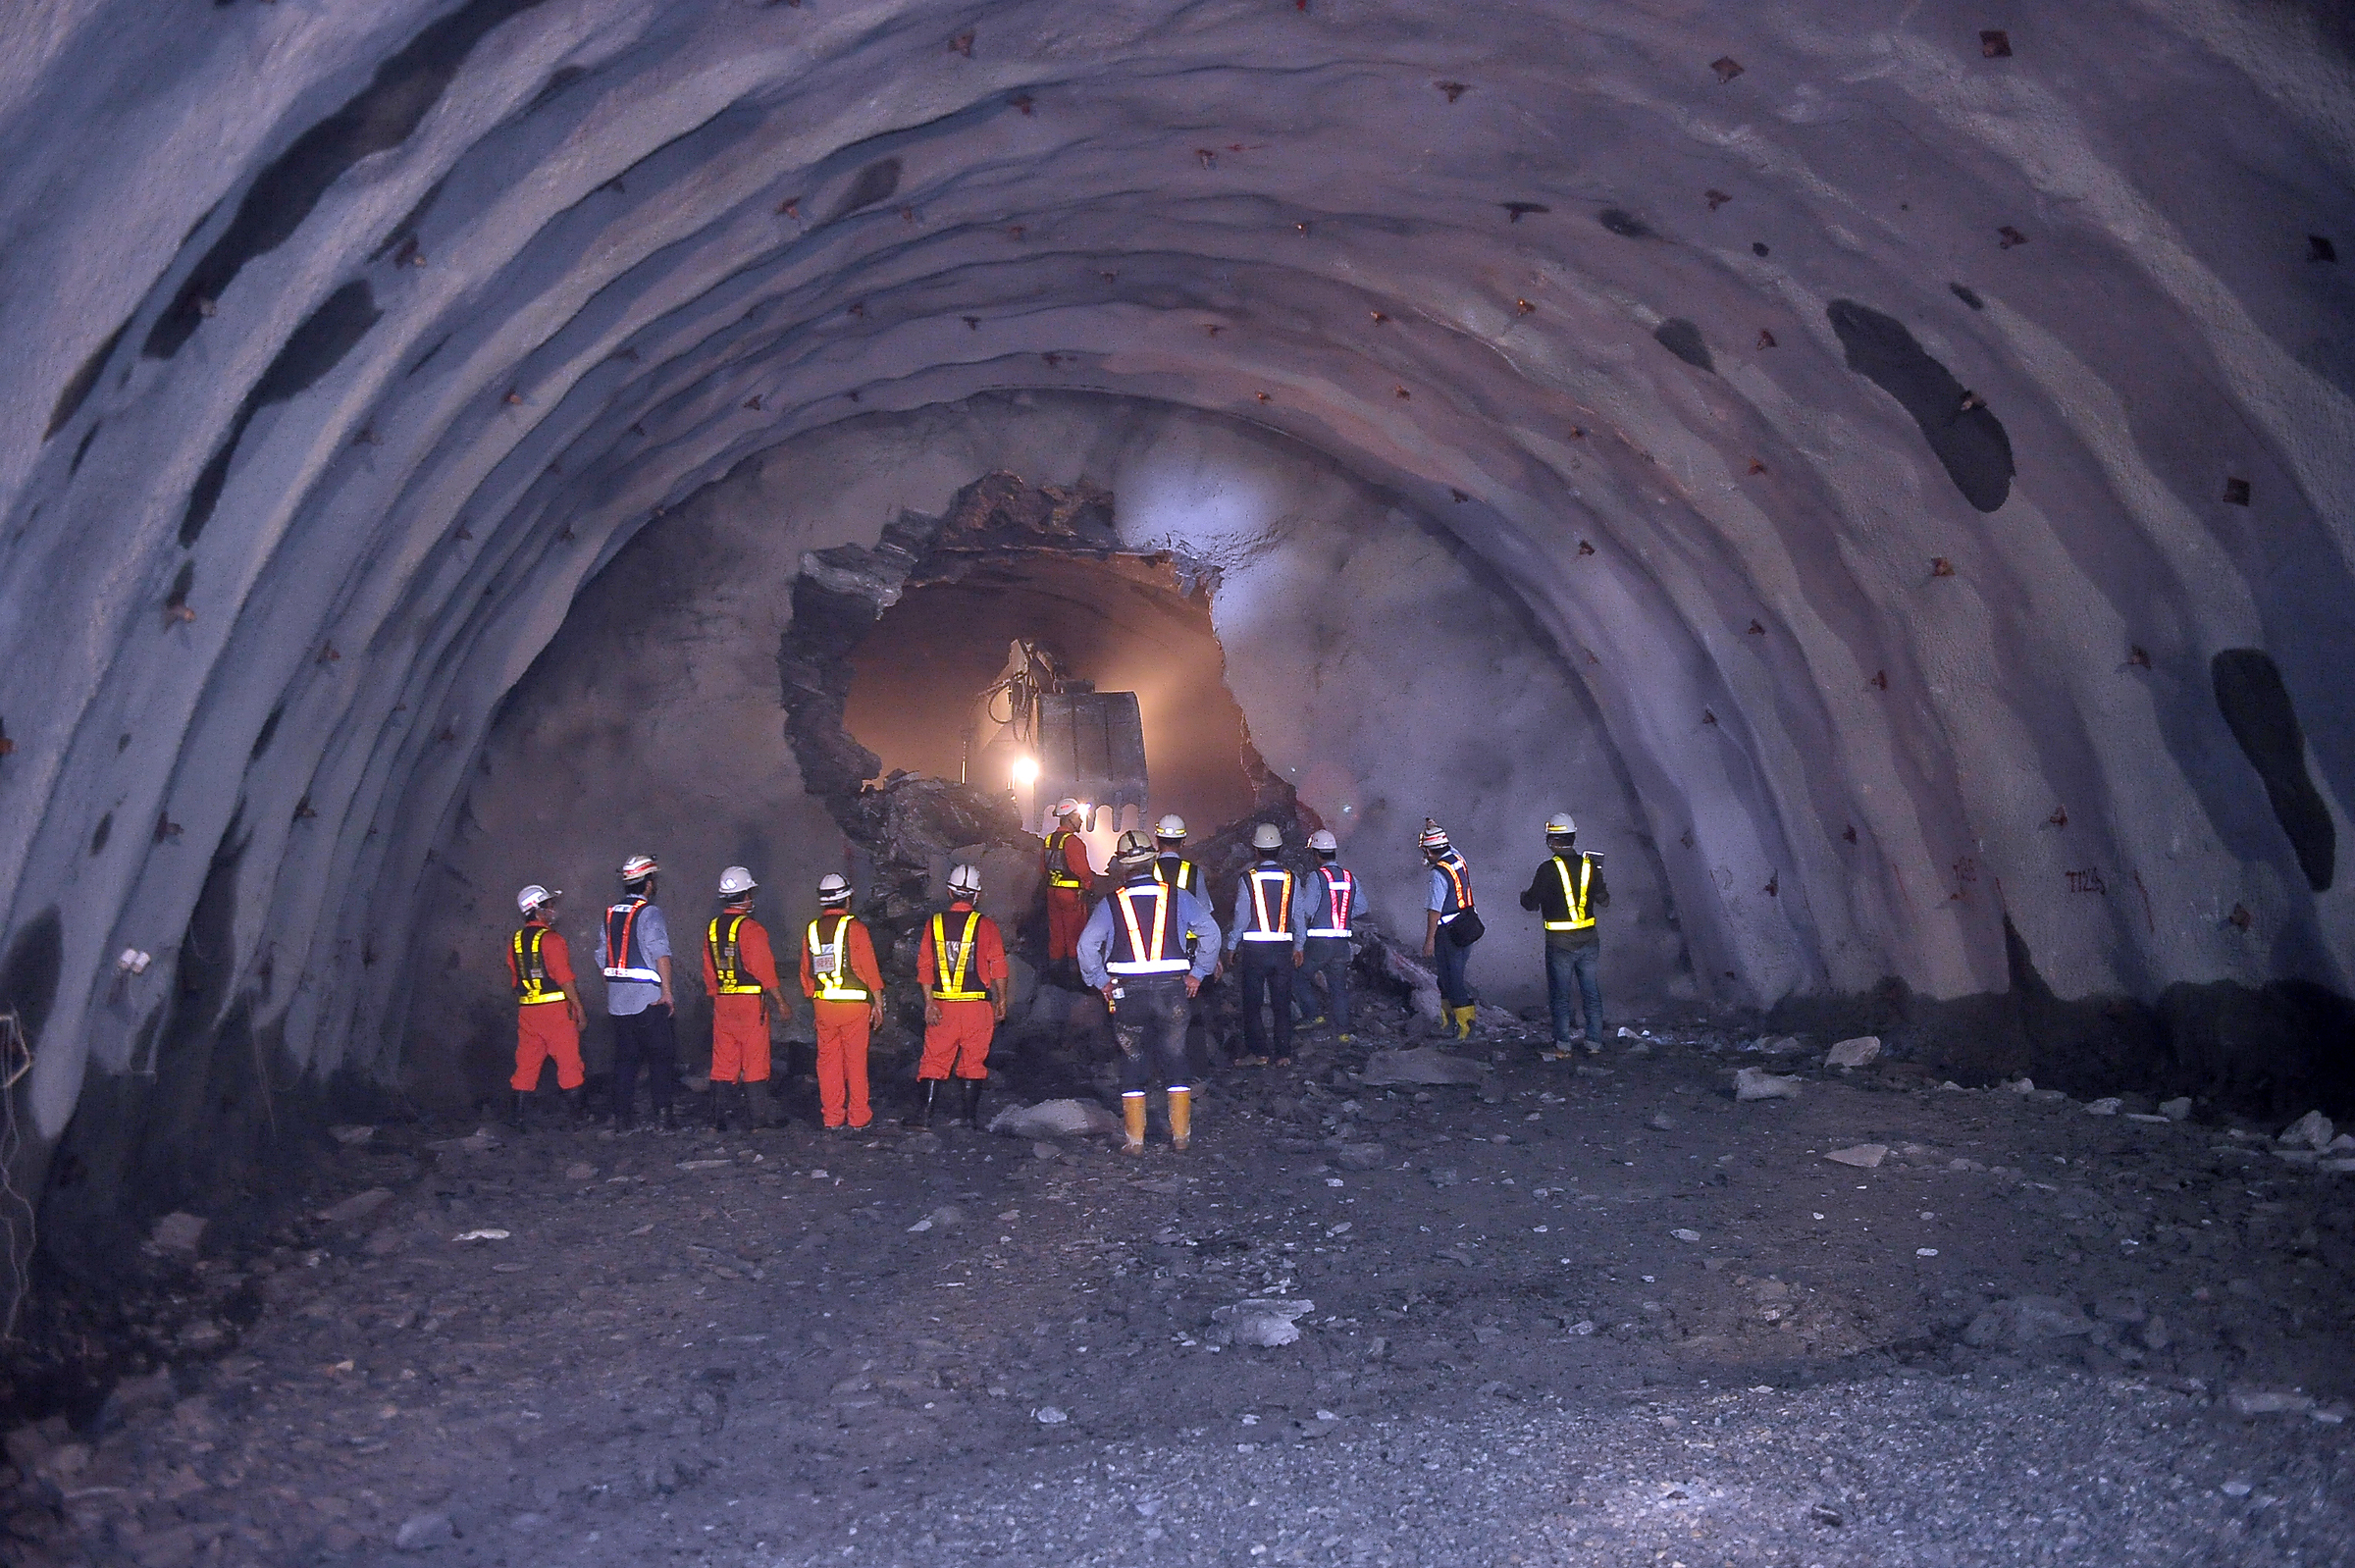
(1590, 1312)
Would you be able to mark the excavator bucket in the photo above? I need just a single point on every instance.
(1091, 746)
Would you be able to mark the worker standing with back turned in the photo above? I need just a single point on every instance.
(1322, 917)
(548, 1008)
(740, 975)
(1266, 950)
(1565, 894)
(1133, 951)
(846, 992)
(962, 965)
(1069, 879)
(634, 950)
(1450, 928)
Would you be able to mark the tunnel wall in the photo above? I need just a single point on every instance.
(1646, 307)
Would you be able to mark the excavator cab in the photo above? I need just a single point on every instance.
(1045, 735)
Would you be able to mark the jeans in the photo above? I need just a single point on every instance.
(1265, 972)
(1327, 956)
(1455, 988)
(1148, 1023)
(1568, 967)
(645, 1039)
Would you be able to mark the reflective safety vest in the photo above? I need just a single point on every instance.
(830, 963)
(952, 962)
(1337, 904)
(1059, 860)
(1133, 952)
(1459, 884)
(1574, 903)
(531, 975)
(727, 959)
(624, 960)
(1188, 875)
(1269, 922)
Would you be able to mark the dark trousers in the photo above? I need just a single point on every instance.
(1326, 956)
(645, 1040)
(1265, 970)
(1455, 987)
(1148, 1023)
(1569, 968)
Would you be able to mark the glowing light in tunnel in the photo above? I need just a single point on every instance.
(1025, 771)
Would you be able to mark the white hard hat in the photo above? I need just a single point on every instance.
(1133, 849)
(833, 888)
(1324, 843)
(965, 878)
(1066, 807)
(1267, 836)
(734, 881)
(532, 897)
(1435, 837)
(638, 867)
(1560, 825)
(1170, 826)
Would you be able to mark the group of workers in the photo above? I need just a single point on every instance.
(960, 964)
(1147, 947)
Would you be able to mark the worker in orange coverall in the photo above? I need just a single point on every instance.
(846, 992)
(547, 1009)
(1070, 880)
(740, 975)
(961, 965)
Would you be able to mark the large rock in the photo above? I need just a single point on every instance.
(2026, 1321)
(2313, 1130)
(1853, 1053)
(184, 1233)
(1264, 1322)
(1756, 1083)
(1054, 1119)
(1422, 1063)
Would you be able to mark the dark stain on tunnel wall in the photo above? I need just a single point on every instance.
(29, 975)
(2256, 706)
(877, 182)
(313, 349)
(1963, 433)
(282, 194)
(1683, 338)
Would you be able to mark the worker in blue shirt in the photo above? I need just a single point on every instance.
(1133, 950)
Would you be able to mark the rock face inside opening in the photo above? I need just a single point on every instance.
(1894, 489)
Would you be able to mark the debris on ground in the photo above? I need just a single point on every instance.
(1853, 1053)
(1756, 1083)
(1425, 1064)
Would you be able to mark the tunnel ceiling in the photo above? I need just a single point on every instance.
(1889, 418)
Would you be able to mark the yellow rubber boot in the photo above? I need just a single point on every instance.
(1132, 1120)
(1463, 1022)
(1181, 1118)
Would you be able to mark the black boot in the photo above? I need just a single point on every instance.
(929, 1088)
(576, 1102)
(665, 1120)
(970, 1113)
(763, 1108)
(719, 1105)
(515, 1108)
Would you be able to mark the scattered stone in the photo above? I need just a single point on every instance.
(2026, 1320)
(349, 1135)
(705, 1164)
(2126, 1307)
(1686, 1235)
(2104, 1107)
(1756, 1083)
(2236, 1488)
(2248, 1403)
(479, 1235)
(2018, 1086)
(1863, 1156)
(202, 1334)
(1446, 1177)
(1853, 1053)
(179, 1232)
(1425, 1064)
(1782, 1045)
(1266, 1322)
(480, 1141)
(2178, 1109)
(2156, 1334)
(1358, 1156)
(359, 1206)
(1583, 1327)
(1050, 1416)
(1043, 1150)
(1660, 1121)
(424, 1532)
(2313, 1130)
(580, 1171)
(1054, 1119)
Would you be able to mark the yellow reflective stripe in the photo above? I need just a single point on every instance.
(832, 986)
(1058, 841)
(1145, 959)
(1262, 927)
(1574, 903)
(948, 987)
(533, 988)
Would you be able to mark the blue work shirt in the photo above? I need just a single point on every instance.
(625, 997)
(1196, 924)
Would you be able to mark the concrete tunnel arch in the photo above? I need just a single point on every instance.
(335, 386)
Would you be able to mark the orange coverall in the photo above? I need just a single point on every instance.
(740, 1023)
(546, 1028)
(843, 1027)
(1066, 906)
(957, 1031)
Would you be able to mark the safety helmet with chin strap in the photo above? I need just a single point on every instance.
(1560, 825)
(833, 888)
(735, 882)
(965, 880)
(1324, 843)
(1133, 850)
(534, 898)
(1171, 826)
(638, 867)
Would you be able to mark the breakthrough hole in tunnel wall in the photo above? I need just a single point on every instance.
(1124, 622)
